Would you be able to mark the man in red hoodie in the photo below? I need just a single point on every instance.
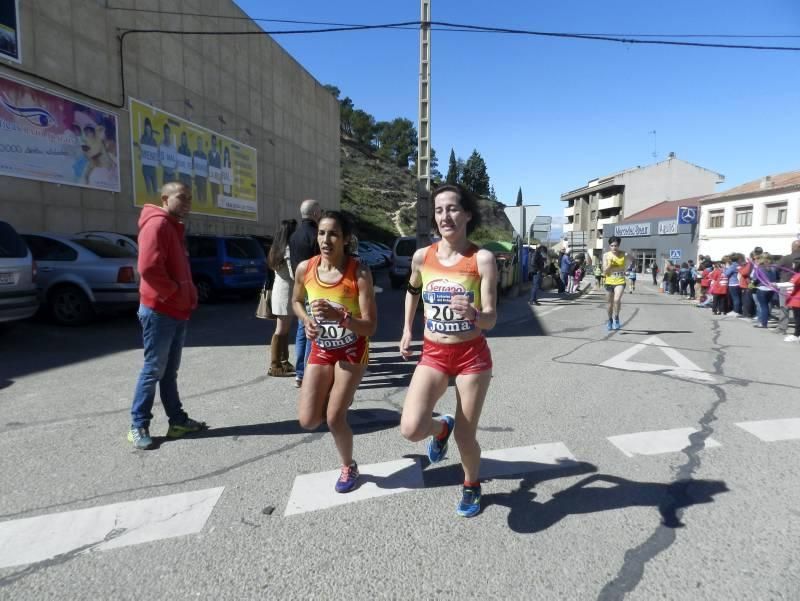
(167, 298)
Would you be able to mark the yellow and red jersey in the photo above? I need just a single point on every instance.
(441, 282)
(341, 295)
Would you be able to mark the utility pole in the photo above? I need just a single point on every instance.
(424, 137)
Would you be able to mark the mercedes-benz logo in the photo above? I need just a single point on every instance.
(688, 214)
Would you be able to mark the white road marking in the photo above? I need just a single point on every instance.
(657, 442)
(548, 311)
(772, 430)
(522, 460)
(312, 492)
(682, 367)
(30, 540)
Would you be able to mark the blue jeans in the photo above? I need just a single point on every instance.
(537, 286)
(763, 305)
(302, 347)
(736, 297)
(163, 338)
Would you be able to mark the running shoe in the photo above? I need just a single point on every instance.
(470, 504)
(610, 325)
(437, 448)
(791, 338)
(187, 427)
(140, 437)
(617, 325)
(347, 478)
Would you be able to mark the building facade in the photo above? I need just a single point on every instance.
(764, 212)
(659, 234)
(92, 125)
(606, 201)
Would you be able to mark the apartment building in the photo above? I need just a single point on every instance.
(606, 201)
(764, 212)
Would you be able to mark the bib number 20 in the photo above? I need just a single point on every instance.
(442, 313)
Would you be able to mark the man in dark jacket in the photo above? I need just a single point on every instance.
(302, 246)
(784, 275)
(167, 298)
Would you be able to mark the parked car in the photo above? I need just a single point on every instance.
(18, 294)
(400, 268)
(381, 249)
(226, 263)
(370, 256)
(80, 276)
(127, 242)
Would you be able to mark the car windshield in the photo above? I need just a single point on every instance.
(11, 244)
(406, 248)
(103, 249)
(243, 248)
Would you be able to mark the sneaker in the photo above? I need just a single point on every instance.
(610, 325)
(187, 427)
(347, 478)
(470, 504)
(791, 338)
(140, 437)
(437, 449)
(298, 382)
(617, 325)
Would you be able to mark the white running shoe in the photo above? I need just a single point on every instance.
(791, 338)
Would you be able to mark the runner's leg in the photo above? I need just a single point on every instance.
(345, 382)
(314, 395)
(426, 388)
(470, 395)
(618, 292)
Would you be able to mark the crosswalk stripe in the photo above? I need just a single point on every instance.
(311, 492)
(522, 460)
(30, 540)
(657, 441)
(772, 430)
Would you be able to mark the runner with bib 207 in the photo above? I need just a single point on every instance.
(457, 282)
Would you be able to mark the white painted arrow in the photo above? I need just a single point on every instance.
(681, 367)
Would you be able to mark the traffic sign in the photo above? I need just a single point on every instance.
(674, 253)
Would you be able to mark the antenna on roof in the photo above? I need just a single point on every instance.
(655, 149)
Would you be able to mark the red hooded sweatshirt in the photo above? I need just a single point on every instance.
(166, 278)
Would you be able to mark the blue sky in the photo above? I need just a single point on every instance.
(550, 114)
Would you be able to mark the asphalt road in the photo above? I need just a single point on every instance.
(638, 464)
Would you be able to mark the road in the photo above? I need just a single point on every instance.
(656, 462)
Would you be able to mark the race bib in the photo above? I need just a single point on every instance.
(331, 334)
(439, 317)
(617, 274)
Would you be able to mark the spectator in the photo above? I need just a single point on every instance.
(564, 263)
(767, 276)
(793, 301)
(537, 270)
(734, 292)
(785, 273)
(654, 272)
(281, 300)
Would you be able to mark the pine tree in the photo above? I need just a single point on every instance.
(519, 197)
(475, 176)
(452, 169)
(492, 195)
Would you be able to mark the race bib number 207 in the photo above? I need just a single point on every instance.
(440, 318)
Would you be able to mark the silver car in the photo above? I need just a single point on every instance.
(79, 276)
(18, 294)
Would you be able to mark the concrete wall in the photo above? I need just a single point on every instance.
(774, 239)
(249, 80)
(668, 180)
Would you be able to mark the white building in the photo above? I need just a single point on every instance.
(764, 212)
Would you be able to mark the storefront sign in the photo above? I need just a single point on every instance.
(10, 47)
(632, 229)
(688, 215)
(220, 171)
(51, 138)
(667, 227)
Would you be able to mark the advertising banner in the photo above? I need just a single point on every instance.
(688, 215)
(10, 46)
(51, 138)
(632, 229)
(220, 171)
(666, 228)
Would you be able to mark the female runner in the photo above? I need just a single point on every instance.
(614, 262)
(342, 317)
(458, 284)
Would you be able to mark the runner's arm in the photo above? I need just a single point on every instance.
(411, 302)
(299, 301)
(368, 322)
(486, 318)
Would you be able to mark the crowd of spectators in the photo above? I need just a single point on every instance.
(760, 287)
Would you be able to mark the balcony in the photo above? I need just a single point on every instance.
(567, 227)
(569, 211)
(607, 220)
(612, 202)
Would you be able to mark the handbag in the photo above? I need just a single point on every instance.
(264, 310)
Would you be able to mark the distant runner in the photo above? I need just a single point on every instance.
(614, 269)
(458, 283)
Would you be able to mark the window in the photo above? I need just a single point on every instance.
(776, 213)
(243, 248)
(48, 249)
(104, 248)
(743, 216)
(11, 245)
(716, 219)
(201, 247)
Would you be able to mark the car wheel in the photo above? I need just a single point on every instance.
(205, 291)
(69, 306)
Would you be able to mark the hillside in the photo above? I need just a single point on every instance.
(381, 198)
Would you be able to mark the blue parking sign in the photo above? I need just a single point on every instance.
(674, 253)
(688, 215)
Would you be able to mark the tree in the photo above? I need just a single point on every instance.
(436, 175)
(475, 176)
(492, 195)
(346, 115)
(397, 141)
(363, 127)
(333, 90)
(519, 197)
(452, 169)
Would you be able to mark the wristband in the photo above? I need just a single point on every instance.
(477, 317)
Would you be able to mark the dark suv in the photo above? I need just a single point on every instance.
(18, 293)
(226, 263)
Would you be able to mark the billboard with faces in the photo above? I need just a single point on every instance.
(219, 171)
(48, 137)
